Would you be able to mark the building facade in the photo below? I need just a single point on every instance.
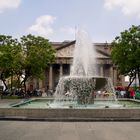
(64, 58)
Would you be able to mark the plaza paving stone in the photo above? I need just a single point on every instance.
(35, 130)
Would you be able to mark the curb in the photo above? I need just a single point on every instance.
(22, 118)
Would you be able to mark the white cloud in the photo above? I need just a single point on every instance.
(69, 30)
(8, 4)
(43, 25)
(128, 7)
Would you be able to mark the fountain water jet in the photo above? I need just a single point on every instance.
(84, 58)
(83, 81)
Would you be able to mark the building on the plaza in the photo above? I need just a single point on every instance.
(64, 58)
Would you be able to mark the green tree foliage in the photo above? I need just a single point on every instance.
(38, 53)
(126, 52)
(10, 57)
(25, 59)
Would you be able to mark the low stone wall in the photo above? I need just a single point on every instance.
(70, 114)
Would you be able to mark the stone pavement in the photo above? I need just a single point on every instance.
(34, 130)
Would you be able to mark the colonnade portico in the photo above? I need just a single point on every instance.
(54, 77)
(64, 58)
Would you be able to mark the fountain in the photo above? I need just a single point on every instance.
(83, 84)
(84, 95)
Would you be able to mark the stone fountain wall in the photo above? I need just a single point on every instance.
(70, 114)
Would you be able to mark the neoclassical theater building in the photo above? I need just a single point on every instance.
(64, 58)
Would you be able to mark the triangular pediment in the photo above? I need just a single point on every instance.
(67, 51)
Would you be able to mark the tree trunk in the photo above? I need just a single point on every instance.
(11, 82)
(3, 80)
(24, 83)
(6, 87)
(139, 78)
(131, 81)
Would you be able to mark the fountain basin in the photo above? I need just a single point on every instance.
(48, 103)
(123, 113)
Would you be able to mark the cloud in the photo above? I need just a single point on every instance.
(67, 29)
(8, 4)
(128, 7)
(42, 25)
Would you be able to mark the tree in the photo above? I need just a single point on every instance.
(126, 53)
(38, 53)
(10, 58)
(25, 59)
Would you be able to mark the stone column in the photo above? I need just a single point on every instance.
(115, 76)
(37, 83)
(101, 70)
(61, 70)
(51, 77)
(123, 80)
(111, 73)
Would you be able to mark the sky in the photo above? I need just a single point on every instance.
(58, 20)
